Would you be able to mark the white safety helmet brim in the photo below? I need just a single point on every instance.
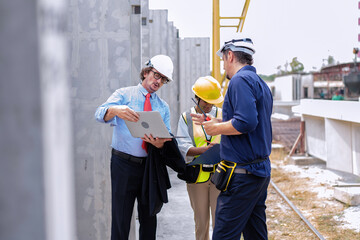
(241, 45)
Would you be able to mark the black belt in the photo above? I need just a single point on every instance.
(241, 171)
(129, 157)
(255, 161)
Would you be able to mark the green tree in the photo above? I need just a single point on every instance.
(331, 60)
(296, 66)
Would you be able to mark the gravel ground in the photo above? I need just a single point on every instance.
(308, 187)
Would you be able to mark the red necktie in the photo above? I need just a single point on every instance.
(147, 107)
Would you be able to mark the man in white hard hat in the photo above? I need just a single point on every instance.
(246, 137)
(129, 153)
(202, 193)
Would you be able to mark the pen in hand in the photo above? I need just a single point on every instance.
(206, 117)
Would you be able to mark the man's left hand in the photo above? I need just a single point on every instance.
(157, 142)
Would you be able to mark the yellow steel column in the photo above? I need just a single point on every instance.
(216, 41)
(216, 71)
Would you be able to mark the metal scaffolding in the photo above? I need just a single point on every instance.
(216, 72)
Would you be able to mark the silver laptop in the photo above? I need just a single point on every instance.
(149, 123)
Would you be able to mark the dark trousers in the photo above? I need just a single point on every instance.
(126, 183)
(241, 209)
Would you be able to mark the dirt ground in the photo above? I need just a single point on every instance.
(284, 223)
(175, 221)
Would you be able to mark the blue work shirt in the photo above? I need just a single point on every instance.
(134, 98)
(248, 104)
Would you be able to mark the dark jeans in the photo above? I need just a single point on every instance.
(126, 183)
(241, 209)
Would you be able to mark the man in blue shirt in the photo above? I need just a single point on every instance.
(129, 153)
(246, 137)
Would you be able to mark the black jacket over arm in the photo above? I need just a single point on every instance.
(156, 178)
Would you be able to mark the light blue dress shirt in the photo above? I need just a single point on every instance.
(134, 98)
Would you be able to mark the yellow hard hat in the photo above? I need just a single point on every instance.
(208, 89)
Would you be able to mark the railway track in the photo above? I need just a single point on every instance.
(297, 211)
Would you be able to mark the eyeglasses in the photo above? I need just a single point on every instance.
(157, 76)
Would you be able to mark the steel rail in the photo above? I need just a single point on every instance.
(312, 228)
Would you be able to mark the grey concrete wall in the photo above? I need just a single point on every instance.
(163, 39)
(22, 195)
(135, 36)
(194, 61)
(104, 47)
(48, 133)
(315, 136)
(191, 58)
(355, 132)
(332, 128)
(145, 31)
(37, 200)
(172, 94)
(158, 36)
(338, 136)
(57, 124)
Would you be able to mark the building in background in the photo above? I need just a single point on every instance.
(331, 78)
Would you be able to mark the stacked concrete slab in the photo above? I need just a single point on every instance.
(60, 62)
(36, 173)
(163, 39)
(194, 57)
(191, 57)
(105, 55)
(333, 132)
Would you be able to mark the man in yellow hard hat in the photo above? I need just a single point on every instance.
(202, 193)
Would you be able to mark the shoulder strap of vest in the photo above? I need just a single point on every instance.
(190, 126)
(188, 120)
(183, 115)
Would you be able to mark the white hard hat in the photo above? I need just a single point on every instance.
(241, 45)
(162, 64)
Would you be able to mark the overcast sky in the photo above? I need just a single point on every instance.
(310, 30)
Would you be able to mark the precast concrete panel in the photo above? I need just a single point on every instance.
(104, 39)
(22, 197)
(158, 24)
(338, 144)
(332, 132)
(171, 91)
(135, 37)
(315, 136)
(114, 18)
(164, 40)
(119, 64)
(36, 144)
(145, 31)
(89, 14)
(355, 130)
(57, 134)
(88, 55)
(185, 69)
(195, 57)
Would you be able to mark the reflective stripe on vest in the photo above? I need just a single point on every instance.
(198, 137)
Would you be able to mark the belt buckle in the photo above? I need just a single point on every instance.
(136, 159)
(208, 165)
(241, 171)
